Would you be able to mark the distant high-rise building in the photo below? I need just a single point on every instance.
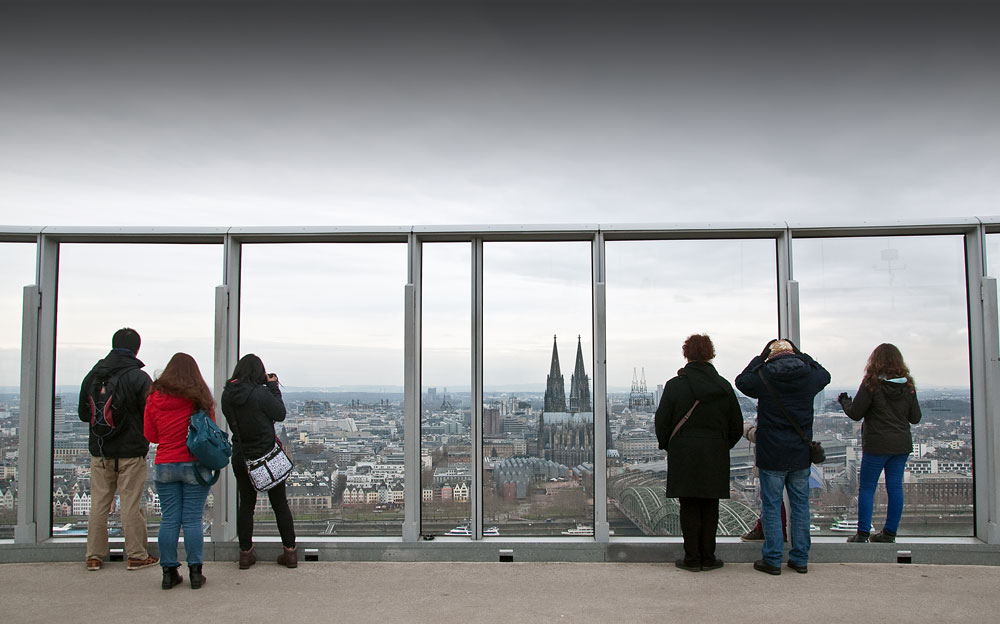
(555, 388)
(579, 387)
(491, 421)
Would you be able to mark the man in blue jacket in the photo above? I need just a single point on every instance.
(784, 381)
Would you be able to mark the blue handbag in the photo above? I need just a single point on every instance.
(209, 444)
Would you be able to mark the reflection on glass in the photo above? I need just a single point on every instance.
(659, 293)
(328, 320)
(538, 426)
(910, 291)
(446, 408)
(167, 294)
(19, 262)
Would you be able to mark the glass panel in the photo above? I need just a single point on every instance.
(538, 458)
(658, 294)
(19, 262)
(445, 422)
(167, 294)
(909, 291)
(328, 320)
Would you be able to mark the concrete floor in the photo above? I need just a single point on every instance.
(358, 592)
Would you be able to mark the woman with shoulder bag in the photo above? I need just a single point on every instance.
(887, 403)
(251, 403)
(181, 482)
(697, 422)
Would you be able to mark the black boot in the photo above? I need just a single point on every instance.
(859, 537)
(170, 577)
(885, 536)
(197, 578)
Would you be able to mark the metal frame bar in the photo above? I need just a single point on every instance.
(599, 324)
(477, 389)
(783, 265)
(26, 529)
(412, 392)
(227, 344)
(986, 428)
(982, 319)
(38, 419)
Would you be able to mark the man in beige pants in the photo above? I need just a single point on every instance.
(112, 400)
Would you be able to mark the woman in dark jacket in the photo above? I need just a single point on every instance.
(698, 448)
(887, 403)
(251, 403)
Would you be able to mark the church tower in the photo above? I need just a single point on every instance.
(555, 388)
(579, 388)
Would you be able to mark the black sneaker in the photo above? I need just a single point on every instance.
(801, 569)
(884, 537)
(859, 538)
(755, 534)
(711, 564)
(762, 566)
(690, 567)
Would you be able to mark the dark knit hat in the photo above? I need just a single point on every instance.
(126, 338)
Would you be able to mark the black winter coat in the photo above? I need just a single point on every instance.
(251, 411)
(698, 456)
(796, 378)
(127, 403)
(888, 413)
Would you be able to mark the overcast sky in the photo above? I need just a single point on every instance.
(228, 114)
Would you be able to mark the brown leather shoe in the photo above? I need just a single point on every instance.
(138, 564)
(247, 558)
(94, 564)
(289, 558)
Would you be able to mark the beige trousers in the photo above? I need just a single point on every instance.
(129, 480)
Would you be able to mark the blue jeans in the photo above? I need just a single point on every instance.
(772, 482)
(872, 466)
(182, 504)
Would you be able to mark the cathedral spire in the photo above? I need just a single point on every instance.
(579, 393)
(555, 384)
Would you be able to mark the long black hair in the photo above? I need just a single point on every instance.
(249, 369)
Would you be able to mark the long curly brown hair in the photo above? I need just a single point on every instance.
(182, 378)
(886, 362)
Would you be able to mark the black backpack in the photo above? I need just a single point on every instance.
(102, 409)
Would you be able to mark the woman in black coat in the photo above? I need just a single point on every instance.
(698, 448)
(251, 403)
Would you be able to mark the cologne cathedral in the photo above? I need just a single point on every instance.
(566, 432)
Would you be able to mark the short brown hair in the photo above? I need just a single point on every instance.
(698, 348)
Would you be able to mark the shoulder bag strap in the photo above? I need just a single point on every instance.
(683, 420)
(774, 395)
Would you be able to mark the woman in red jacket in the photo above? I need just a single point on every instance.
(177, 393)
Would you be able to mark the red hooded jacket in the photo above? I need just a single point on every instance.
(166, 424)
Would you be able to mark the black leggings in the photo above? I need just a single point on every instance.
(699, 521)
(246, 500)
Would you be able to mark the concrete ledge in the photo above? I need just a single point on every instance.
(956, 552)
